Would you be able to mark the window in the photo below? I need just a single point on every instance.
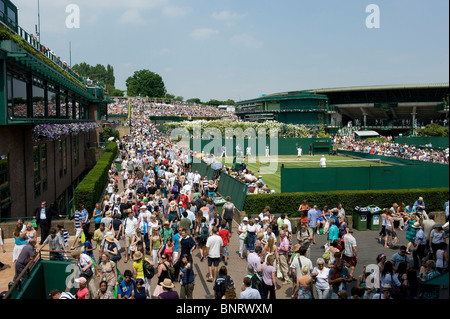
(63, 103)
(38, 101)
(77, 106)
(44, 175)
(51, 100)
(37, 171)
(5, 194)
(70, 108)
(19, 94)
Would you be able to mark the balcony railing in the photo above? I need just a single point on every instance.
(48, 53)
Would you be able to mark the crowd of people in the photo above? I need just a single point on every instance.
(390, 148)
(167, 109)
(157, 212)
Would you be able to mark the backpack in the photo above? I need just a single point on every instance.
(149, 270)
(116, 210)
(170, 272)
(256, 283)
(204, 230)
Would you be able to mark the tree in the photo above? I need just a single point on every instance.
(433, 129)
(194, 100)
(116, 92)
(145, 83)
(98, 72)
(179, 98)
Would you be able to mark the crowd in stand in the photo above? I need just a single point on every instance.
(389, 148)
(164, 109)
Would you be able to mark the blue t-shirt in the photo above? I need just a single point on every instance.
(99, 217)
(89, 246)
(176, 241)
(140, 295)
(126, 290)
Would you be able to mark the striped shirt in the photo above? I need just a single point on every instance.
(78, 219)
(66, 295)
(284, 245)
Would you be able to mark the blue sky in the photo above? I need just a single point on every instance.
(240, 49)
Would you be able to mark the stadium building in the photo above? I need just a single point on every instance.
(381, 108)
(37, 87)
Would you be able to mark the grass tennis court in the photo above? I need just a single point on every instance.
(273, 180)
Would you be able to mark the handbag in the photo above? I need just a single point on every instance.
(88, 273)
(279, 273)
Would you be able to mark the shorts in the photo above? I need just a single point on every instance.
(350, 260)
(225, 251)
(78, 233)
(128, 239)
(214, 261)
(389, 231)
(202, 241)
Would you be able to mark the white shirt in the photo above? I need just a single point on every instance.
(131, 225)
(214, 243)
(349, 243)
(43, 216)
(322, 277)
(305, 262)
(323, 161)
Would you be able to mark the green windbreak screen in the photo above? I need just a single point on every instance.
(363, 178)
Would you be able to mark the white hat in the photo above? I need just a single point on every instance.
(143, 207)
(245, 219)
(265, 218)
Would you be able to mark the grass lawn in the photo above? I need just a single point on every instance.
(273, 179)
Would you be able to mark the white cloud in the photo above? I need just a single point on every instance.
(227, 15)
(131, 16)
(203, 33)
(160, 51)
(175, 11)
(247, 41)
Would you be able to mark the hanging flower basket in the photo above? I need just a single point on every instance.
(54, 132)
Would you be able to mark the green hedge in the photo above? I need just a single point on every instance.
(289, 203)
(91, 187)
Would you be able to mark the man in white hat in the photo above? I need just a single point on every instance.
(420, 244)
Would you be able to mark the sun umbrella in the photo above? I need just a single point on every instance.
(216, 165)
(111, 139)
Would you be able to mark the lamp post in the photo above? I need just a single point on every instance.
(39, 24)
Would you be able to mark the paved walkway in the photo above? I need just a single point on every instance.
(368, 249)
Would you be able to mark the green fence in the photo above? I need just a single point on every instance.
(237, 190)
(228, 186)
(363, 178)
(436, 142)
(278, 146)
(203, 169)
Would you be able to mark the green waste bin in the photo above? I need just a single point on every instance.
(118, 162)
(360, 217)
(374, 217)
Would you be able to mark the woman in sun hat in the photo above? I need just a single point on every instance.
(138, 270)
(82, 291)
(168, 292)
(437, 236)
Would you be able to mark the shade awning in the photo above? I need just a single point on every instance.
(366, 133)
